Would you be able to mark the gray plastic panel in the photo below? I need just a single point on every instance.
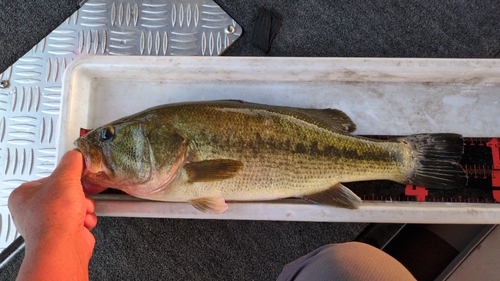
(30, 90)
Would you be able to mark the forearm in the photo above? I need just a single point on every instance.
(54, 258)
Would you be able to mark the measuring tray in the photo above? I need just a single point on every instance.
(382, 96)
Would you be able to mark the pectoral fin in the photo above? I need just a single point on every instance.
(212, 170)
(338, 195)
(214, 205)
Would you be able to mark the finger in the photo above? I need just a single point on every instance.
(90, 203)
(70, 167)
(89, 240)
(90, 221)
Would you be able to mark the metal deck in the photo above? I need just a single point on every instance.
(30, 90)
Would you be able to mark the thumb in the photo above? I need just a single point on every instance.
(70, 167)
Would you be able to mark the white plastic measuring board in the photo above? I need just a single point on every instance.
(30, 90)
(382, 96)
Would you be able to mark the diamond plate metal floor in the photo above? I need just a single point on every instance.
(30, 89)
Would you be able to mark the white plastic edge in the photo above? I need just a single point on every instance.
(288, 210)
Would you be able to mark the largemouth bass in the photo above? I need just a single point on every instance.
(207, 153)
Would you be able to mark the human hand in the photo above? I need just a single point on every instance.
(54, 213)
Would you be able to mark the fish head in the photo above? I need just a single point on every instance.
(134, 156)
(116, 155)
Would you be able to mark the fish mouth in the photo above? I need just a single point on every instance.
(95, 170)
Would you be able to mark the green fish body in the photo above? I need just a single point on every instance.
(209, 152)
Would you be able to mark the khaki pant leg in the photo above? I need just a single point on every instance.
(346, 261)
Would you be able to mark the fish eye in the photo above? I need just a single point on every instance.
(107, 133)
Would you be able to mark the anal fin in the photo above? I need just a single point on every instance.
(214, 205)
(338, 195)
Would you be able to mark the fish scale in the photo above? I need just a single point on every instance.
(209, 152)
(293, 145)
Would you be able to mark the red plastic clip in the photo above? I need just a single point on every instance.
(420, 192)
(494, 144)
(83, 132)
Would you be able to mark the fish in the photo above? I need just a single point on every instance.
(207, 153)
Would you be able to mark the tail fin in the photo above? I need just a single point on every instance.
(437, 160)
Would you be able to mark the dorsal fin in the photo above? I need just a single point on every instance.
(333, 118)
